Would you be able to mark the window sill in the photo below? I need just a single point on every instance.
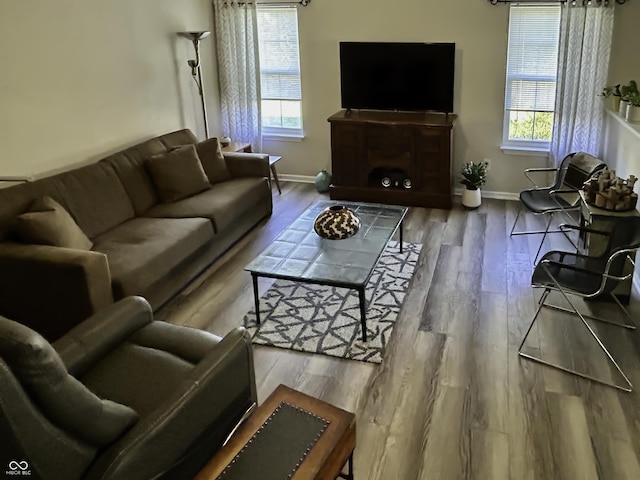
(526, 151)
(274, 137)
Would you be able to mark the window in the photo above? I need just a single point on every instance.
(532, 59)
(279, 70)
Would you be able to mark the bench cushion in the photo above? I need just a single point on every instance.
(223, 203)
(142, 251)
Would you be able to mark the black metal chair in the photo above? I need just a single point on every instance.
(560, 197)
(588, 277)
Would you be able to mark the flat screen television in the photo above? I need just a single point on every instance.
(397, 76)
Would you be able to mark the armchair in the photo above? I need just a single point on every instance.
(121, 396)
(560, 197)
(588, 277)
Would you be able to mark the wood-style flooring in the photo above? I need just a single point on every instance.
(452, 399)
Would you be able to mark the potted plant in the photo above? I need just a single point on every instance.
(633, 110)
(626, 92)
(612, 92)
(474, 175)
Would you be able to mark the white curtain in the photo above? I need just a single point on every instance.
(238, 71)
(583, 63)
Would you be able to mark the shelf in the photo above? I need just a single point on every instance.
(634, 128)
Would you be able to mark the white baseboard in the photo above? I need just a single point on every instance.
(494, 195)
(458, 191)
(296, 178)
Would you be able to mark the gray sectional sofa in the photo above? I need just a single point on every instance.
(141, 246)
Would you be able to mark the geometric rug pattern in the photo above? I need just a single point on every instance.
(326, 320)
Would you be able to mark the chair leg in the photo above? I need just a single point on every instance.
(517, 217)
(626, 312)
(546, 231)
(630, 326)
(540, 305)
(627, 388)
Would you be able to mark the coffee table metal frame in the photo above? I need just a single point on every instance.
(357, 286)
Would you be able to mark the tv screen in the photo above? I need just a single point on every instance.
(397, 76)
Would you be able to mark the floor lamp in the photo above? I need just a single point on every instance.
(196, 71)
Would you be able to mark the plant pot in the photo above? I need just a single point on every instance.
(616, 103)
(633, 114)
(336, 223)
(471, 198)
(624, 104)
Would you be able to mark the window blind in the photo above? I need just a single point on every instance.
(279, 56)
(532, 58)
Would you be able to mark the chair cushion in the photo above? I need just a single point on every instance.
(213, 162)
(177, 174)
(540, 201)
(64, 400)
(139, 376)
(223, 203)
(48, 223)
(143, 250)
(585, 278)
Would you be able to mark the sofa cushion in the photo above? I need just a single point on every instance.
(142, 251)
(17, 199)
(65, 401)
(48, 223)
(177, 138)
(223, 203)
(95, 197)
(177, 174)
(130, 166)
(213, 162)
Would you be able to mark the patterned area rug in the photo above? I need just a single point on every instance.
(319, 319)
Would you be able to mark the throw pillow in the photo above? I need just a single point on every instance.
(178, 174)
(48, 223)
(65, 401)
(213, 161)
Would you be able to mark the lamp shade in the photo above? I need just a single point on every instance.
(194, 36)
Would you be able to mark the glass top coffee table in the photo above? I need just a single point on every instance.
(300, 255)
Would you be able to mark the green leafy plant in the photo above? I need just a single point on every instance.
(635, 99)
(610, 91)
(628, 90)
(474, 175)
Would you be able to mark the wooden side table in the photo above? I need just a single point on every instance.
(237, 147)
(323, 461)
(273, 159)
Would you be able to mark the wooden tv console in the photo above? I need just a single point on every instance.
(411, 151)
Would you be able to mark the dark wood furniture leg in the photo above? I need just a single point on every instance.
(275, 178)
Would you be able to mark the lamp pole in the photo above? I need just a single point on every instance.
(196, 72)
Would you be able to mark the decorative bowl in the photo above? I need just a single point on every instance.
(336, 223)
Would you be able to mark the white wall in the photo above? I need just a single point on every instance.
(625, 59)
(80, 79)
(480, 33)
(622, 141)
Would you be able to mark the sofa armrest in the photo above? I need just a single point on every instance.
(88, 342)
(199, 414)
(247, 164)
(52, 289)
